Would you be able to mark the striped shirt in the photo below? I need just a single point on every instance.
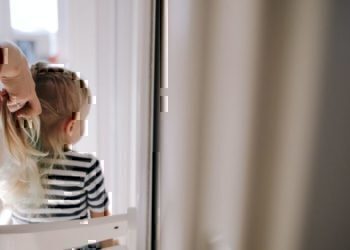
(74, 187)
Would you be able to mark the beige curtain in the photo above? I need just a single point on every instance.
(247, 144)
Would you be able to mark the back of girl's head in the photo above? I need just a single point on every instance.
(62, 94)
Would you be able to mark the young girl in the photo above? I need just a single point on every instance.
(58, 184)
(73, 183)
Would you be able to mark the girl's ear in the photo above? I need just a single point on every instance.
(69, 127)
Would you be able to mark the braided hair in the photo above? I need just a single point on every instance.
(62, 94)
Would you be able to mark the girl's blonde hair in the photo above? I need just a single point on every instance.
(19, 175)
(62, 95)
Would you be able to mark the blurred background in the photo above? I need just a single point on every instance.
(255, 145)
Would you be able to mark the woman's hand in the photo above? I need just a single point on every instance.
(18, 81)
(24, 102)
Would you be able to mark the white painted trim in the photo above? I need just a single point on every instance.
(63, 235)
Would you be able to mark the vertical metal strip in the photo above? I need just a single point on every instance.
(156, 127)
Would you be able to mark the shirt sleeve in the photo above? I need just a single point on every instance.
(97, 198)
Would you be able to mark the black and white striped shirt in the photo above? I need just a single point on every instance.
(74, 187)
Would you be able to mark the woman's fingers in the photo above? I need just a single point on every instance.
(32, 108)
(15, 105)
(23, 108)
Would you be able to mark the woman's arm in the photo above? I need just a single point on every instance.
(17, 78)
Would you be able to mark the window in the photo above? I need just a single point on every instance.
(34, 15)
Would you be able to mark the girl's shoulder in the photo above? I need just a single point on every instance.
(80, 156)
(84, 159)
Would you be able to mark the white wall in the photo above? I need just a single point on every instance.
(79, 28)
(5, 25)
(111, 44)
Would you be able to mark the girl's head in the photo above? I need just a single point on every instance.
(64, 98)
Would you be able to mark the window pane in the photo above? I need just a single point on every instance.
(34, 15)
